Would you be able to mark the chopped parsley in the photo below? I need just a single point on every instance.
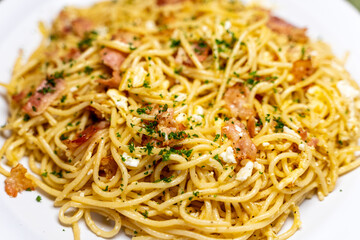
(174, 43)
(38, 198)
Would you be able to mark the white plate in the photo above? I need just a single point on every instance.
(335, 21)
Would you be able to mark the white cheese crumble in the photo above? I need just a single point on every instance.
(120, 101)
(138, 76)
(239, 130)
(150, 25)
(73, 89)
(227, 25)
(130, 161)
(258, 166)
(349, 93)
(302, 147)
(228, 156)
(90, 172)
(179, 97)
(82, 194)
(265, 144)
(245, 172)
(347, 90)
(197, 118)
(199, 110)
(181, 118)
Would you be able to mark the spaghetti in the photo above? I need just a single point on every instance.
(180, 119)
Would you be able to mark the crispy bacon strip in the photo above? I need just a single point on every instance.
(236, 98)
(66, 23)
(108, 167)
(17, 182)
(166, 124)
(302, 69)
(304, 136)
(45, 94)
(85, 135)
(20, 96)
(113, 82)
(313, 142)
(80, 26)
(243, 146)
(303, 133)
(112, 58)
(281, 26)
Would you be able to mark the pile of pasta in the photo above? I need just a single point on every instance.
(180, 119)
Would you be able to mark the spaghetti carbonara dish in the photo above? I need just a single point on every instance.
(180, 119)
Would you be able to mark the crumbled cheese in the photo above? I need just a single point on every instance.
(197, 118)
(194, 214)
(245, 172)
(347, 90)
(179, 97)
(290, 131)
(265, 144)
(228, 156)
(73, 89)
(129, 161)
(199, 110)
(227, 25)
(138, 76)
(258, 166)
(136, 120)
(239, 130)
(82, 194)
(120, 101)
(90, 172)
(150, 25)
(181, 118)
(302, 147)
(165, 84)
(350, 93)
(102, 31)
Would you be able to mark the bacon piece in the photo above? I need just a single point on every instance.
(73, 54)
(302, 69)
(108, 167)
(313, 142)
(85, 135)
(243, 146)
(281, 26)
(303, 133)
(236, 98)
(80, 26)
(167, 125)
(20, 96)
(67, 23)
(17, 182)
(167, 122)
(113, 82)
(201, 50)
(112, 58)
(166, 2)
(45, 94)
